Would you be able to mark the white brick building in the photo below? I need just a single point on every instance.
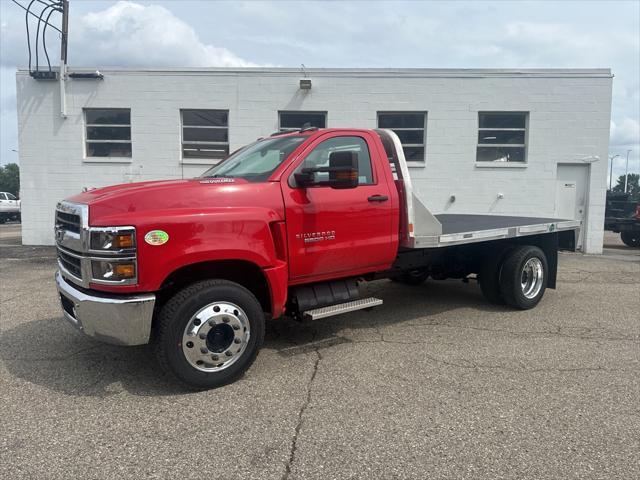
(525, 142)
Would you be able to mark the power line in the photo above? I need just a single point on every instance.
(48, 6)
(44, 38)
(31, 13)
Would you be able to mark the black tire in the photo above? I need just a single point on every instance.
(178, 312)
(489, 276)
(512, 275)
(631, 239)
(412, 277)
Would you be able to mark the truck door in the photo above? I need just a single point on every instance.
(338, 231)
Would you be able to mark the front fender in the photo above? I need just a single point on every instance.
(232, 233)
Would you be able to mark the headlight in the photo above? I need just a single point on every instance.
(113, 270)
(113, 240)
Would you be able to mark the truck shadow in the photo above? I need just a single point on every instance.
(403, 305)
(49, 353)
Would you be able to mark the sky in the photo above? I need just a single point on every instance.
(416, 34)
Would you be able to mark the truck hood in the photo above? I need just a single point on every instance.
(119, 203)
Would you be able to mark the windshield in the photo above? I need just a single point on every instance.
(256, 162)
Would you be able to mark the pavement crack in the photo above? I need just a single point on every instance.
(303, 408)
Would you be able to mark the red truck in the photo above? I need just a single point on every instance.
(289, 225)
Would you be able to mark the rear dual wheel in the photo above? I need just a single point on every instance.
(517, 277)
(209, 333)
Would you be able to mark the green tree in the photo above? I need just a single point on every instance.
(10, 178)
(633, 185)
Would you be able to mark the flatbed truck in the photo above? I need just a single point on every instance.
(288, 225)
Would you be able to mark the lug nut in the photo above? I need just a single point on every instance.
(204, 350)
(225, 319)
(212, 323)
(189, 344)
(199, 362)
(236, 327)
(237, 340)
(214, 357)
(196, 322)
(228, 353)
(216, 308)
(203, 336)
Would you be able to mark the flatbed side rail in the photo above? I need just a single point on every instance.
(460, 238)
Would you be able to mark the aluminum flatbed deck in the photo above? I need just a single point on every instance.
(426, 230)
(467, 228)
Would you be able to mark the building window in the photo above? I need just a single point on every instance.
(205, 134)
(502, 137)
(410, 128)
(108, 132)
(292, 121)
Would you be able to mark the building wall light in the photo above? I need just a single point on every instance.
(305, 84)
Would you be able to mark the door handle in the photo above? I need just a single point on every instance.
(378, 198)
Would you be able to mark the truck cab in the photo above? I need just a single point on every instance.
(290, 224)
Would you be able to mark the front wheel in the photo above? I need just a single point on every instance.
(523, 278)
(209, 333)
(631, 239)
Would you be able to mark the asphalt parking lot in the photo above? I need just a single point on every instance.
(436, 383)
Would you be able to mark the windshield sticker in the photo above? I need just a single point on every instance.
(218, 180)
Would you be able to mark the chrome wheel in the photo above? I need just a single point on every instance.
(532, 277)
(216, 336)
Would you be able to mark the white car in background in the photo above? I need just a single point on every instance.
(9, 207)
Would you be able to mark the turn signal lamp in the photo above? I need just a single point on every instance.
(113, 271)
(112, 240)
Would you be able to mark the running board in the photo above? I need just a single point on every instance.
(325, 312)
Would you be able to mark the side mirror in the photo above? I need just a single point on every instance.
(342, 170)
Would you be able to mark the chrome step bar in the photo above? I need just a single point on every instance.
(325, 312)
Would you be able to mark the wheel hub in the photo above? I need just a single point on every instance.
(532, 277)
(216, 336)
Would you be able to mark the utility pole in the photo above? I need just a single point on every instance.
(626, 172)
(63, 58)
(611, 158)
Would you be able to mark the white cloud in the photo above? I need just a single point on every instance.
(503, 34)
(625, 133)
(128, 33)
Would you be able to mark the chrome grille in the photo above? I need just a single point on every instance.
(76, 257)
(68, 221)
(71, 264)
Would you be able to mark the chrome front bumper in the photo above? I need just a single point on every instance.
(120, 320)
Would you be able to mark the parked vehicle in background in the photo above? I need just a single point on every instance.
(622, 215)
(9, 207)
(290, 224)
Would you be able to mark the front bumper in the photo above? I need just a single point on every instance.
(120, 320)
